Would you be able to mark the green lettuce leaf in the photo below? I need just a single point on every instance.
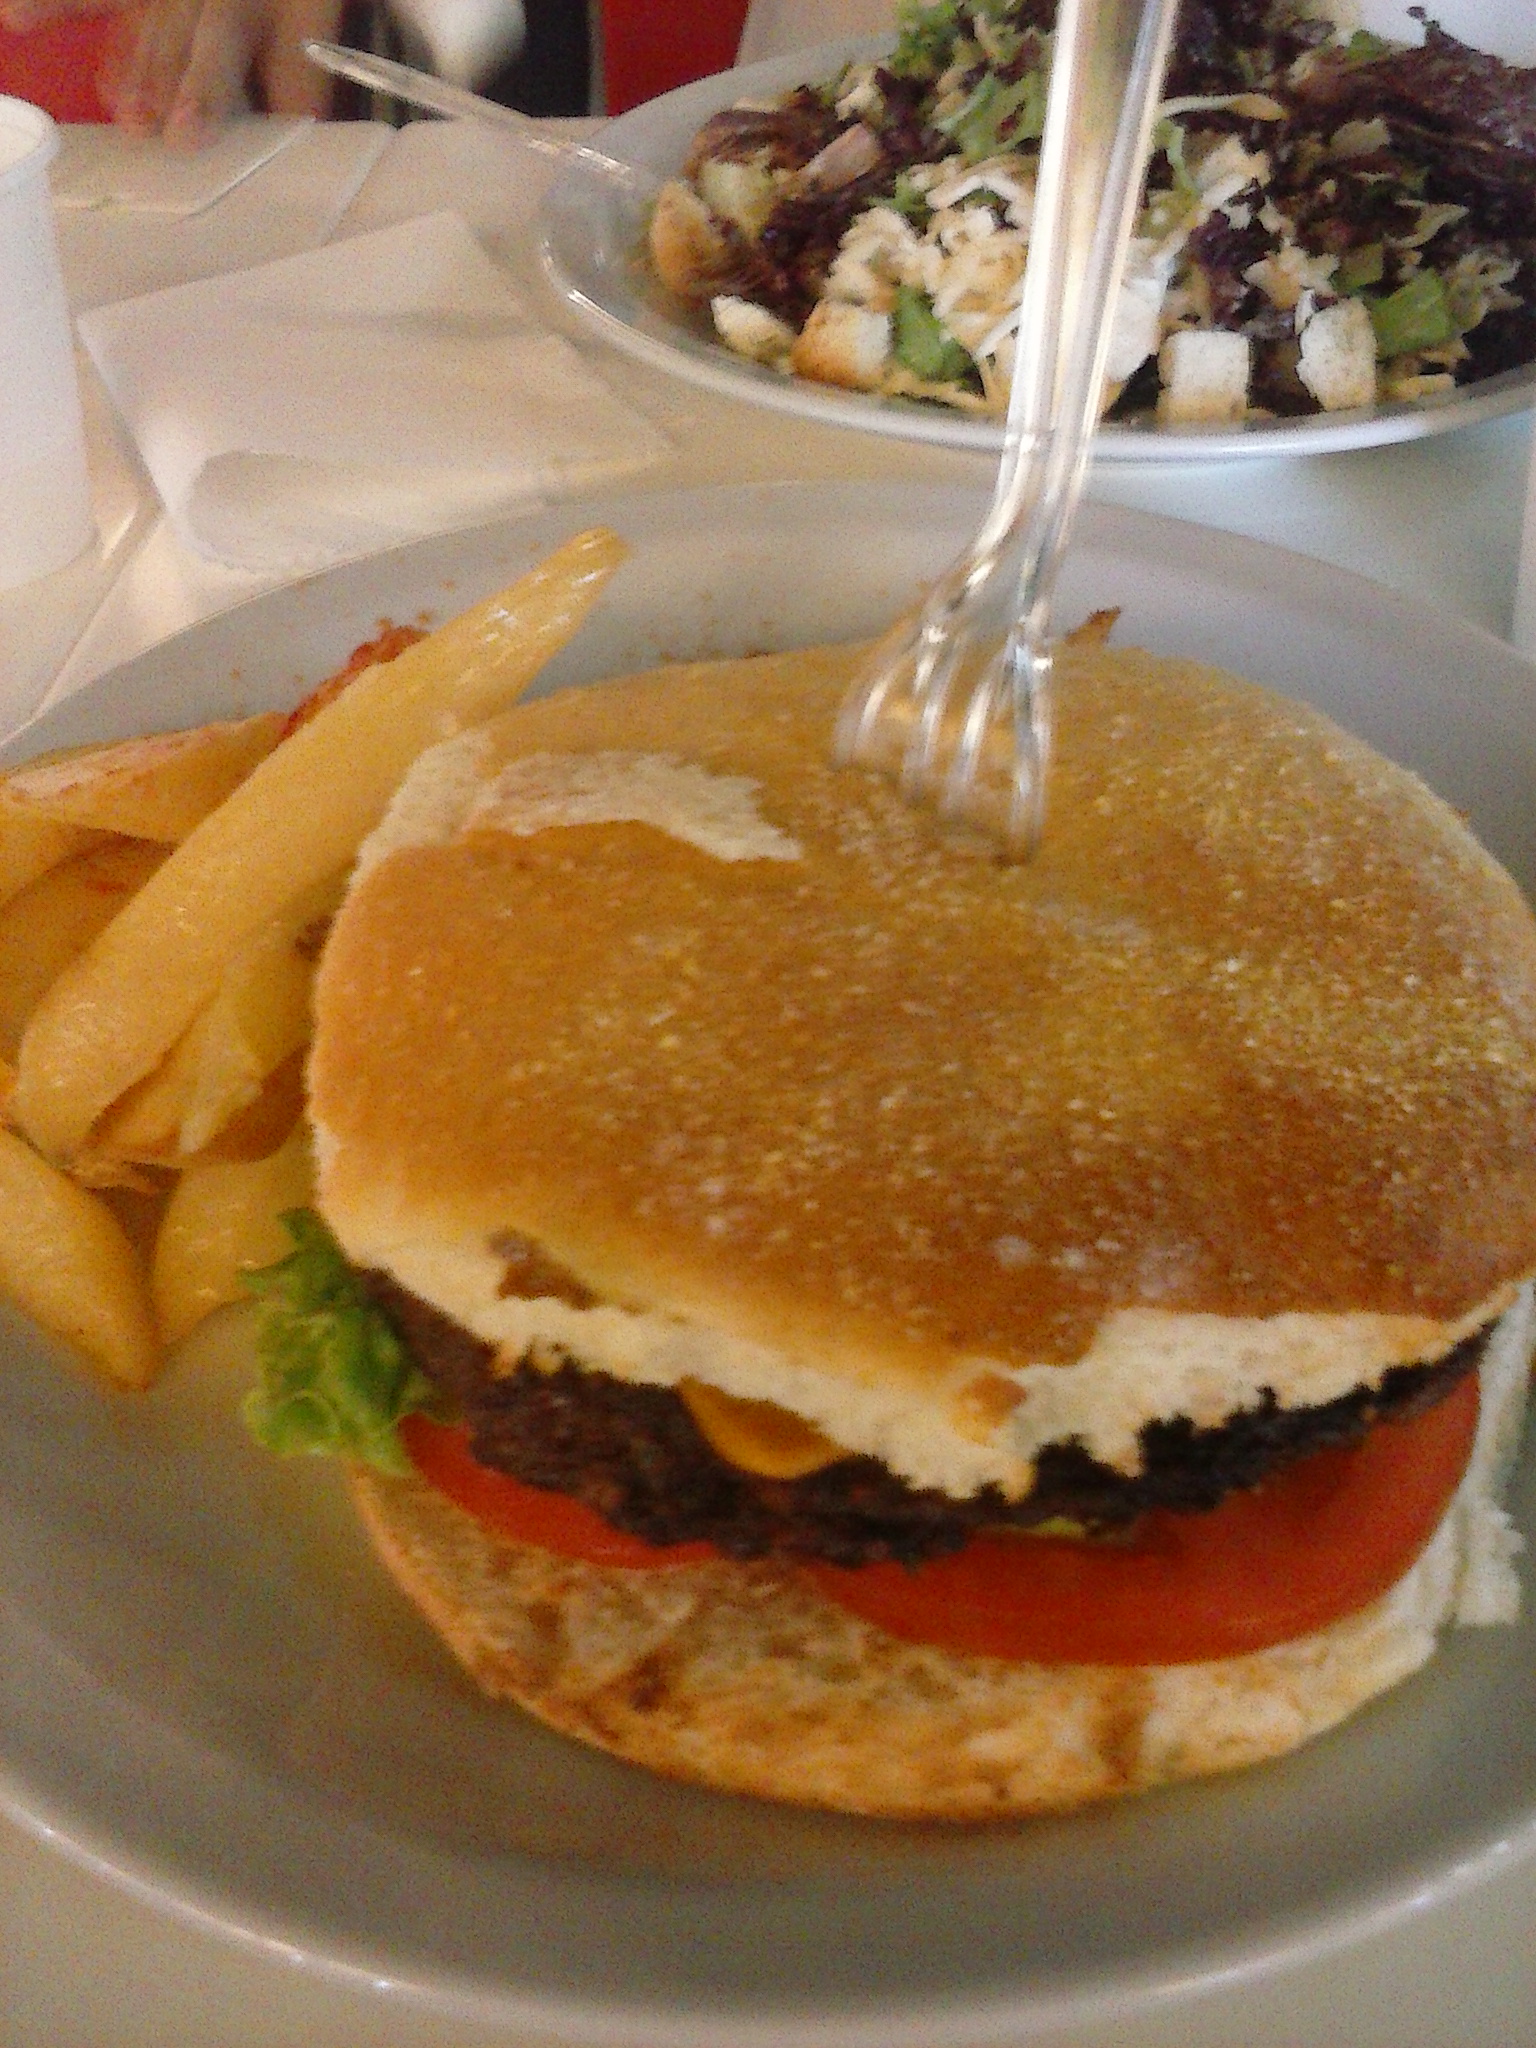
(1360, 267)
(335, 1379)
(997, 115)
(925, 37)
(1417, 315)
(909, 199)
(1364, 47)
(921, 342)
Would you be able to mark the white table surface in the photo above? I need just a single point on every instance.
(83, 1964)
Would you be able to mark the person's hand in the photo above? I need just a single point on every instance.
(182, 67)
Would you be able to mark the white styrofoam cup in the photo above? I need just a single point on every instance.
(45, 493)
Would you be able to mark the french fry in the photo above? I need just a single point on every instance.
(263, 1124)
(256, 1019)
(44, 927)
(299, 817)
(66, 1261)
(259, 1016)
(160, 786)
(143, 1127)
(221, 1221)
(30, 845)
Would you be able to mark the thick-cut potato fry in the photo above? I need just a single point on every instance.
(257, 1017)
(160, 786)
(384, 646)
(30, 846)
(261, 1125)
(296, 819)
(260, 1015)
(48, 924)
(67, 1262)
(221, 1221)
(143, 1127)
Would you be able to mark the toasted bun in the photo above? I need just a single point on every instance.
(1232, 1088)
(743, 1677)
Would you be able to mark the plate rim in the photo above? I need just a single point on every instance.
(1100, 522)
(1308, 1933)
(995, 2023)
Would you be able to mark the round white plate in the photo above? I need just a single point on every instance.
(208, 1689)
(592, 241)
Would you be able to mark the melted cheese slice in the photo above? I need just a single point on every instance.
(758, 1436)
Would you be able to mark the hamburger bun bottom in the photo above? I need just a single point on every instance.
(745, 1678)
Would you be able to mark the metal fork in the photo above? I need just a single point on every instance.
(966, 724)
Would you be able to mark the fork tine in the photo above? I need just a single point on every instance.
(935, 673)
(962, 785)
(1107, 66)
(1030, 701)
(868, 702)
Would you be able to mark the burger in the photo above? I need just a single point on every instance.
(827, 1315)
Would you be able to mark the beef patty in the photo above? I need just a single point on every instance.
(636, 1456)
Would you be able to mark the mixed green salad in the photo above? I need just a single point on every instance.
(1329, 220)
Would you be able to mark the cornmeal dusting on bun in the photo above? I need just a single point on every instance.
(1233, 1087)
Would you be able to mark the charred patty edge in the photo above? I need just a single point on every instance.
(635, 1455)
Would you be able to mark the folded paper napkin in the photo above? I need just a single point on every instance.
(335, 403)
(105, 169)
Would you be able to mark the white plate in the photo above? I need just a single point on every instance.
(592, 240)
(208, 1688)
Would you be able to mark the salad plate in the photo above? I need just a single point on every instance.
(593, 248)
(210, 1692)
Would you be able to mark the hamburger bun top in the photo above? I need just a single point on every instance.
(647, 1035)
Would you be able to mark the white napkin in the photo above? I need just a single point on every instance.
(103, 168)
(335, 403)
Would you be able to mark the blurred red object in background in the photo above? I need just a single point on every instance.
(648, 48)
(55, 66)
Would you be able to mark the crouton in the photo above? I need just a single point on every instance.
(1204, 376)
(688, 244)
(1338, 356)
(743, 194)
(843, 344)
(752, 331)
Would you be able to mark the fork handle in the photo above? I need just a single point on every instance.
(1107, 67)
(932, 676)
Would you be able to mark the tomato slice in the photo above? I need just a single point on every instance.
(529, 1514)
(1317, 1541)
